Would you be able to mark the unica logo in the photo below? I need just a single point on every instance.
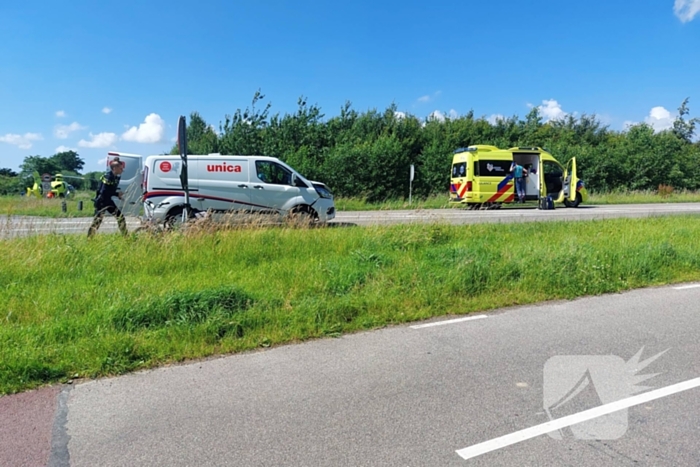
(165, 166)
(224, 168)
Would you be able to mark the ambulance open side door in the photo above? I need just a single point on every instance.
(569, 184)
(540, 172)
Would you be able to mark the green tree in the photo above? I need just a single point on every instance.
(39, 164)
(685, 129)
(201, 137)
(67, 161)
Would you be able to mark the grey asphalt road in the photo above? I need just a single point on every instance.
(14, 226)
(407, 396)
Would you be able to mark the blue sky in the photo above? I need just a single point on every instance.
(99, 76)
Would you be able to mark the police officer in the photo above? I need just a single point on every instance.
(108, 188)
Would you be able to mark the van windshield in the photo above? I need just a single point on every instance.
(459, 170)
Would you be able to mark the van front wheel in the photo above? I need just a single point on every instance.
(302, 215)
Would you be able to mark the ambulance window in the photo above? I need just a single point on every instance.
(459, 170)
(269, 172)
(493, 168)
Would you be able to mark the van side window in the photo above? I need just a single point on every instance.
(269, 172)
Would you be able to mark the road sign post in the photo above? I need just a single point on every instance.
(184, 177)
(410, 184)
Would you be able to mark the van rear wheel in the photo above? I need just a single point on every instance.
(174, 219)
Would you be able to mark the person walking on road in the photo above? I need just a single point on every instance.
(519, 173)
(109, 187)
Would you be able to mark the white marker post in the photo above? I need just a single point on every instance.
(410, 184)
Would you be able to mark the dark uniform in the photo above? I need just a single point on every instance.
(104, 203)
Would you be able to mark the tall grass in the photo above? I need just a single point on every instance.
(77, 308)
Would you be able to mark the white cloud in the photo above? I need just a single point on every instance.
(214, 129)
(152, 130)
(60, 113)
(64, 149)
(437, 115)
(429, 98)
(63, 131)
(686, 10)
(101, 140)
(106, 110)
(22, 141)
(551, 110)
(453, 114)
(494, 118)
(660, 119)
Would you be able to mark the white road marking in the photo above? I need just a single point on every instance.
(451, 321)
(685, 287)
(554, 425)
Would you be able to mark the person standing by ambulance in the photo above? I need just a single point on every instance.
(519, 173)
(109, 187)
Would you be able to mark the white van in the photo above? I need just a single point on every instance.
(232, 183)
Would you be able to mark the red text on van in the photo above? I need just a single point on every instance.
(224, 168)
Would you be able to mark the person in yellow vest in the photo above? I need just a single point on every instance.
(109, 187)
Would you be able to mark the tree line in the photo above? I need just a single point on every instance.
(67, 163)
(368, 154)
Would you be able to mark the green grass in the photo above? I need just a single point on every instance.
(76, 308)
(644, 197)
(44, 207)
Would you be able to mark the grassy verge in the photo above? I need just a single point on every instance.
(44, 207)
(76, 308)
(644, 197)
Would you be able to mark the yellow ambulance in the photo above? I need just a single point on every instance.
(482, 178)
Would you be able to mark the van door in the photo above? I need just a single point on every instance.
(570, 183)
(132, 165)
(543, 185)
(130, 204)
(272, 186)
(224, 184)
(459, 185)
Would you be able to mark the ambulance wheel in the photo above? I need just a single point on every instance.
(573, 204)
